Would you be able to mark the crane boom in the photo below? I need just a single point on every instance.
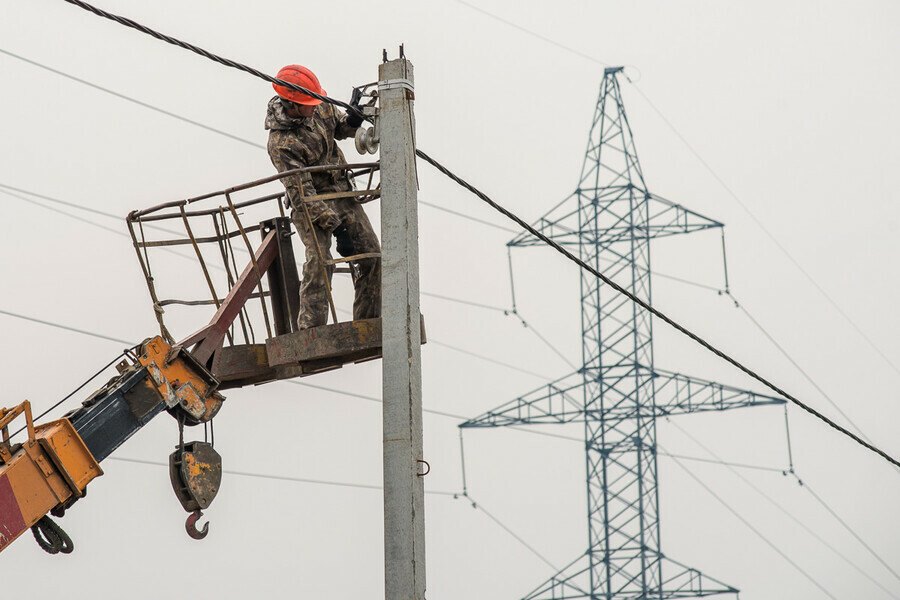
(50, 471)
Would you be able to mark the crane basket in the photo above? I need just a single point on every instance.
(245, 280)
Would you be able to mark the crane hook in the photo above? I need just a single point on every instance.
(191, 526)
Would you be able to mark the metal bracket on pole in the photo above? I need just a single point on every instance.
(392, 84)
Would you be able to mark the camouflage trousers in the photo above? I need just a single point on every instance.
(367, 283)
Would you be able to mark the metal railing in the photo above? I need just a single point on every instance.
(210, 224)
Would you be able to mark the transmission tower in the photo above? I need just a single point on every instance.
(619, 393)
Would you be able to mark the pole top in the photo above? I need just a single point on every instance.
(612, 70)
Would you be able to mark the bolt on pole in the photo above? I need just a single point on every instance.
(404, 492)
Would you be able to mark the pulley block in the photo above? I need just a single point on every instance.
(366, 140)
(195, 470)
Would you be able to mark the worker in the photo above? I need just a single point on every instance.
(302, 133)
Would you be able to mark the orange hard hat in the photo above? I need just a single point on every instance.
(304, 78)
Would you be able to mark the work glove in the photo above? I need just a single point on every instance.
(355, 119)
(354, 115)
(344, 244)
(328, 221)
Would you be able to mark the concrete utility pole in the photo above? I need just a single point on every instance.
(404, 492)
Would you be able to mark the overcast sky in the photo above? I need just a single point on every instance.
(776, 118)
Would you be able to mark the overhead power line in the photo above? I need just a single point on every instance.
(133, 100)
(750, 526)
(849, 529)
(61, 212)
(711, 171)
(504, 527)
(206, 54)
(646, 306)
(230, 63)
(260, 146)
(772, 237)
(731, 193)
(65, 327)
(491, 360)
(534, 34)
(345, 484)
(130, 344)
(202, 126)
(279, 477)
(785, 512)
(439, 413)
(797, 366)
(4, 189)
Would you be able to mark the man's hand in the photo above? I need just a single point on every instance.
(344, 244)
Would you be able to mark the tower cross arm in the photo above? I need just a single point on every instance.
(610, 212)
(669, 218)
(678, 394)
(559, 401)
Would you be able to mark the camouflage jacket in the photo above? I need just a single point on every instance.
(307, 142)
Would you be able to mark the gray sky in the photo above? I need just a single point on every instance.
(788, 111)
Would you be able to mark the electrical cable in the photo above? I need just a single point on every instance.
(175, 252)
(230, 63)
(771, 236)
(134, 100)
(534, 34)
(301, 383)
(65, 327)
(735, 197)
(755, 530)
(849, 529)
(646, 306)
(709, 169)
(206, 54)
(63, 202)
(781, 509)
(208, 128)
(73, 392)
(505, 311)
(61, 212)
(477, 506)
(361, 396)
(469, 217)
(454, 495)
(787, 428)
(546, 342)
(279, 477)
(697, 284)
(172, 251)
(721, 462)
(248, 142)
(742, 308)
(488, 359)
(515, 312)
(5, 189)
(518, 538)
(369, 398)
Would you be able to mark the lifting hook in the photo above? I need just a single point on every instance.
(191, 526)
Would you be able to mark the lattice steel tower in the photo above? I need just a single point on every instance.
(618, 393)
